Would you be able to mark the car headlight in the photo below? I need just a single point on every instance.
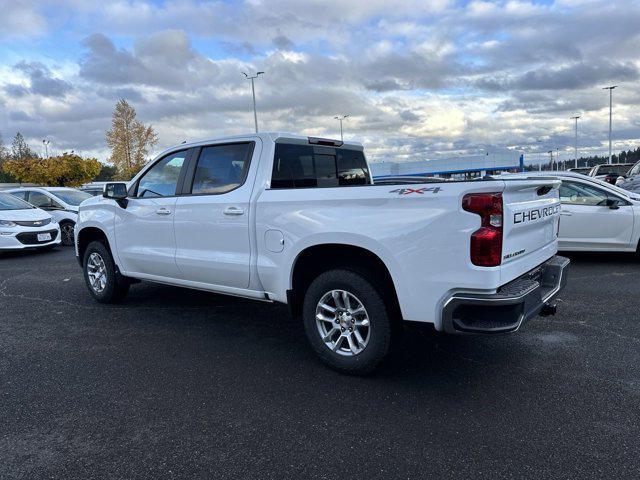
(7, 223)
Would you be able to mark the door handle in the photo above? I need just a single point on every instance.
(565, 213)
(163, 211)
(233, 211)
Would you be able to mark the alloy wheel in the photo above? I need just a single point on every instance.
(343, 323)
(97, 272)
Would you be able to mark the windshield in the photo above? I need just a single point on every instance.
(71, 197)
(9, 202)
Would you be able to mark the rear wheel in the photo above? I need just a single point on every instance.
(101, 276)
(347, 321)
(66, 232)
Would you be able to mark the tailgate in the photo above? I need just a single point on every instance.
(531, 221)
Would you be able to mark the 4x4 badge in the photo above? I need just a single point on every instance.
(419, 191)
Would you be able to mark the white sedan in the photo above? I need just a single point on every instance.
(23, 226)
(595, 215)
(61, 202)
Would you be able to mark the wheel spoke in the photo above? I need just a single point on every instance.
(345, 301)
(330, 334)
(322, 318)
(359, 338)
(362, 323)
(326, 307)
(337, 299)
(337, 343)
(352, 345)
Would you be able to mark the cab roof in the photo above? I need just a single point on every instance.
(276, 137)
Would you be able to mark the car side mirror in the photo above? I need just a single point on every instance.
(612, 203)
(116, 191)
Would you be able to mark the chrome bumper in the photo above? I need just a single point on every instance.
(512, 305)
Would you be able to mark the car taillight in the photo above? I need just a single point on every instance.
(486, 242)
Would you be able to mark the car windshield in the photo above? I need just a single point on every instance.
(71, 196)
(9, 202)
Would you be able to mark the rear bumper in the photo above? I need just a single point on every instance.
(514, 303)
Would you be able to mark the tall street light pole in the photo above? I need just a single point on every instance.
(539, 142)
(610, 111)
(253, 92)
(46, 143)
(575, 144)
(340, 118)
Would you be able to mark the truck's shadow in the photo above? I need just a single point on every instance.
(268, 332)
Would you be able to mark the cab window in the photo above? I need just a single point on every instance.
(309, 166)
(161, 180)
(221, 168)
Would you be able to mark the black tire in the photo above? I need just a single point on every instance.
(116, 286)
(66, 232)
(379, 316)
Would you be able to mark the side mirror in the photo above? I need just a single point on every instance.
(612, 203)
(117, 192)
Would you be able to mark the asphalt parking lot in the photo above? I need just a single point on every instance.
(175, 383)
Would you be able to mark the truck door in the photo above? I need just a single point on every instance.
(144, 229)
(212, 214)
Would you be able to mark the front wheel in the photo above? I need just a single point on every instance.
(347, 321)
(66, 233)
(101, 276)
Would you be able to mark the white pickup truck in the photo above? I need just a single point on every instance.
(292, 219)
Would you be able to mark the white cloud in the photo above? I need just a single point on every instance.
(418, 78)
(20, 18)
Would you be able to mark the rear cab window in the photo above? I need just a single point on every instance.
(318, 166)
(221, 168)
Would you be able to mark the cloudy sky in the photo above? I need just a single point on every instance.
(419, 78)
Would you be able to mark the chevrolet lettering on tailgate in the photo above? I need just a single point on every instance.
(536, 214)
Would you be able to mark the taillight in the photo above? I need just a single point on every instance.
(486, 242)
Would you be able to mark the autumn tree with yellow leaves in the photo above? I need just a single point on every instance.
(66, 170)
(129, 140)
